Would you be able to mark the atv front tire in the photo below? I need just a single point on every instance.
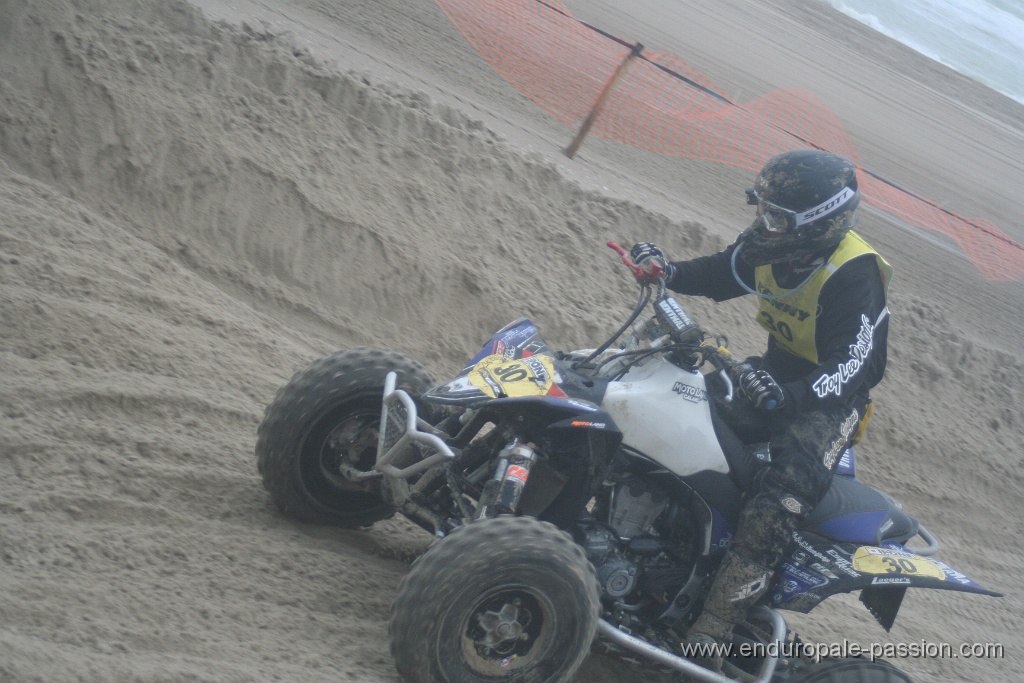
(503, 599)
(326, 415)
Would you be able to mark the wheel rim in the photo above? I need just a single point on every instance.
(507, 630)
(347, 434)
(352, 442)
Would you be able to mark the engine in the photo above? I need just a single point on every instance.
(634, 541)
(634, 506)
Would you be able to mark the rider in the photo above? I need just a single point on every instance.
(822, 298)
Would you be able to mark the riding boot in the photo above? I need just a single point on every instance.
(737, 586)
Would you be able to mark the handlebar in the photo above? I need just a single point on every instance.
(682, 329)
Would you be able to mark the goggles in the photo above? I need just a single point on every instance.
(779, 220)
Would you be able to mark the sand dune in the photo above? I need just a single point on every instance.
(190, 211)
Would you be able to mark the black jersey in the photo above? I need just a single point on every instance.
(851, 295)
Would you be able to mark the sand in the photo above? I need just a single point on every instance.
(194, 204)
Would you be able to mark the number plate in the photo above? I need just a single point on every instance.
(871, 560)
(498, 376)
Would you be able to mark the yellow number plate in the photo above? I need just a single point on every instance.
(870, 560)
(497, 376)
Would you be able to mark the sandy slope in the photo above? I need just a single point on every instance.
(189, 212)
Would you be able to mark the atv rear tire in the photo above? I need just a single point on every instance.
(503, 599)
(327, 414)
(849, 670)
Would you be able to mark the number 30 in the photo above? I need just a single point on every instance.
(778, 326)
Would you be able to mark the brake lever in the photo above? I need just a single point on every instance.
(656, 275)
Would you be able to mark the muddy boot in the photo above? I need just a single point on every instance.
(738, 585)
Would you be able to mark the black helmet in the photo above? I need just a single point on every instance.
(805, 205)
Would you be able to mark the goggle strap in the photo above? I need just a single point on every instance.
(830, 205)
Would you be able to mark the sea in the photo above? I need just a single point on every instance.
(982, 39)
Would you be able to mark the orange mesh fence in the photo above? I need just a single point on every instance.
(662, 103)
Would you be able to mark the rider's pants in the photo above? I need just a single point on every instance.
(804, 452)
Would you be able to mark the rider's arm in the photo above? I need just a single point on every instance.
(851, 338)
(711, 276)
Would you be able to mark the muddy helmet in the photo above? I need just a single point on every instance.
(805, 205)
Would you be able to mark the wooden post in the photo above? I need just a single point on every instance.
(573, 147)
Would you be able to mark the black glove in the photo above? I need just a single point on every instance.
(648, 255)
(760, 388)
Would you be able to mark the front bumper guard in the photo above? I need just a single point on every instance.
(401, 430)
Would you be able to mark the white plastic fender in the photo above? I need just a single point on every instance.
(664, 413)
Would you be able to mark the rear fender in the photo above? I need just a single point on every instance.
(818, 568)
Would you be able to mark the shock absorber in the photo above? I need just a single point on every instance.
(502, 493)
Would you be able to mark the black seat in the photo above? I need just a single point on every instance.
(853, 512)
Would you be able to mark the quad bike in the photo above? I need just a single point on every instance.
(577, 499)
